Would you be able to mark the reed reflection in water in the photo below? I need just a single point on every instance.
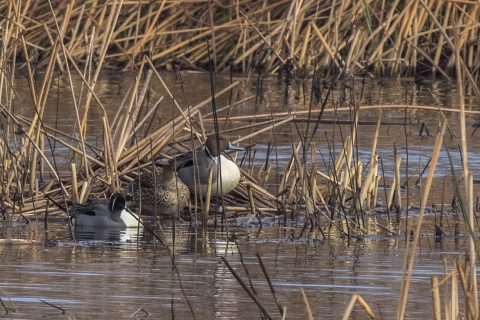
(110, 278)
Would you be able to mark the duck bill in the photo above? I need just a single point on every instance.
(232, 147)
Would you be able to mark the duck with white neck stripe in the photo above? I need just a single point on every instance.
(210, 157)
(103, 214)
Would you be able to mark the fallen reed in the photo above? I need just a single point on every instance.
(300, 40)
(346, 192)
(332, 195)
(400, 39)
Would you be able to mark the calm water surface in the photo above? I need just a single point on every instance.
(111, 277)
(107, 275)
(399, 129)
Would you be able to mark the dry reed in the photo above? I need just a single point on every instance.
(349, 36)
(402, 40)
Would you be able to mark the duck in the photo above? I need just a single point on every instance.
(210, 157)
(160, 192)
(103, 214)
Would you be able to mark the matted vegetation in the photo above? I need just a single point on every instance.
(297, 38)
(385, 37)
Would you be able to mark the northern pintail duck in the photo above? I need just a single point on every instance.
(103, 214)
(160, 192)
(210, 157)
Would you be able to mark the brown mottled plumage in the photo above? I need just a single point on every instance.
(160, 193)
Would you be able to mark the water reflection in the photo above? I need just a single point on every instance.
(112, 278)
(106, 234)
(113, 273)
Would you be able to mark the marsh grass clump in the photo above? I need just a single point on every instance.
(398, 39)
(343, 193)
(332, 44)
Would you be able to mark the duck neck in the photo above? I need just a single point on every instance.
(128, 219)
(214, 158)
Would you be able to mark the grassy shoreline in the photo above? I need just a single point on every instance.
(402, 39)
(295, 38)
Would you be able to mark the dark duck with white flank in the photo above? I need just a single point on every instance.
(210, 157)
(103, 214)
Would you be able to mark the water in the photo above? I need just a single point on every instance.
(114, 274)
(111, 90)
(112, 279)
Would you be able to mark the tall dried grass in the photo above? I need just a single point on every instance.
(396, 38)
(269, 36)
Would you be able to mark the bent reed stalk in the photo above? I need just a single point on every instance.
(350, 190)
(401, 40)
(337, 200)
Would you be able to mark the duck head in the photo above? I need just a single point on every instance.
(215, 148)
(167, 174)
(117, 202)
